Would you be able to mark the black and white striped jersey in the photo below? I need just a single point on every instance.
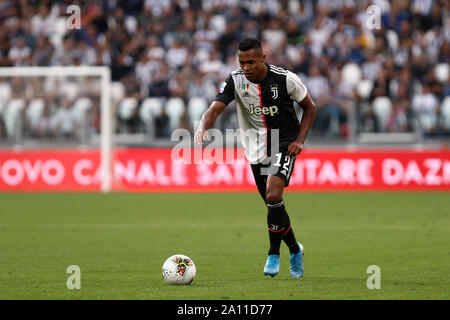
(262, 107)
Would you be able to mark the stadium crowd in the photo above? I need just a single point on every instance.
(394, 78)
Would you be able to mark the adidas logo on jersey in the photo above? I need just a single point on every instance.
(272, 110)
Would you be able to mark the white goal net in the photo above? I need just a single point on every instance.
(43, 109)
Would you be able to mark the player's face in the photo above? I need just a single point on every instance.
(252, 63)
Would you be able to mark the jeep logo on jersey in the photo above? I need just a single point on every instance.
(272, 110)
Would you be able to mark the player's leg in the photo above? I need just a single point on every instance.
(274, 195)
(277, 217)
(275, 187)
(275, 223)
(260, 180)
(276, 213)
(272, 266)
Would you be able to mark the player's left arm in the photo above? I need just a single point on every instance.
(309, 113)
(298, 92)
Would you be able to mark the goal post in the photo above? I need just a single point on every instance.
(106, 112)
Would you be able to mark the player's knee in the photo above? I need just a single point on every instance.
(273, 196)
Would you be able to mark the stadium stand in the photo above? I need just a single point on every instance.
(177, 51)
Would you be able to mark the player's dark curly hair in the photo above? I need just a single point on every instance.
(250, 43)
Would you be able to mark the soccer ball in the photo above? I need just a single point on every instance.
(179, 270)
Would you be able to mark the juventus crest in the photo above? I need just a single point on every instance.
(274, 90)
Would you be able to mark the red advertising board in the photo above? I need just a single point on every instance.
(154, 170)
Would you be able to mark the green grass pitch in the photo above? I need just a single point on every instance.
(120, 242)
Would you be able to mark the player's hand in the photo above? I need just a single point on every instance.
(201, 135)
(294, 148)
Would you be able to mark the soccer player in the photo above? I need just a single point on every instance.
(264, 96)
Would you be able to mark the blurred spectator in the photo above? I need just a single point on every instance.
(317, 84)
(64, 54)
(424, 106)
(381, 85)
(42, 52)
(159, 87)
(64, 121)
(20, 54)
(43, 128)
(120, 68)
(162, 125)
(398, 119)
(177, 54)
(178, 85)
(274, 35)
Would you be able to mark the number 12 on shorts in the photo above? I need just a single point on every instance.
(286, 163)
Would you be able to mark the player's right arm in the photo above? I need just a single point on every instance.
(223, 98)
(208, 120)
